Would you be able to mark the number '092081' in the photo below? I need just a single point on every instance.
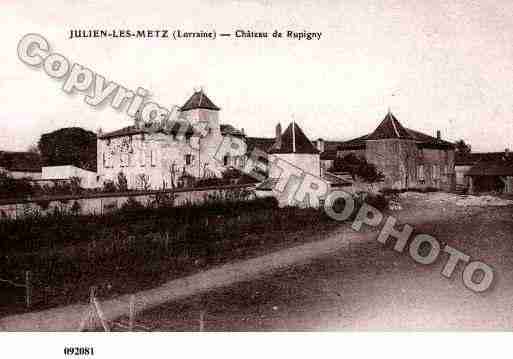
(78, 351)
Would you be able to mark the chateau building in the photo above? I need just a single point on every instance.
(407, 158)
(167, 155)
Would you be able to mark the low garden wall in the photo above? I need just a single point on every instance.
(101, 203)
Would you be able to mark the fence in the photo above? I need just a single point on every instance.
(27, 285)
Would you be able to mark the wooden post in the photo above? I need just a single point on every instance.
(167, 242)
(28, 288)
(92, 294)
(101, 315)
(131, 317)
(202, 321)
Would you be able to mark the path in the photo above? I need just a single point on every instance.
(68, 318)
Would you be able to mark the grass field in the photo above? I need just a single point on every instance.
(141, 248)
(368, 286)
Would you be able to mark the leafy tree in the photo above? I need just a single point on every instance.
(69, 146)
(358, 167)
(14, 188)
(463, 147)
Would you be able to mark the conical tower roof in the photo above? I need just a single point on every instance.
(199, 100)
(390, 128)
(293, 140)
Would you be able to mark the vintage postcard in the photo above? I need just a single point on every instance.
(255, 166)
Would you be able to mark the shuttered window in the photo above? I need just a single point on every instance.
(420, 173)
(436, 172)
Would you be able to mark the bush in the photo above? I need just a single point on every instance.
(122, 182)
(132, 205)
(14, 188)
(109, 186)
(211, 182)
(358, 167)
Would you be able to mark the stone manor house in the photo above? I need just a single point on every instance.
(407, 158)
(171, 155)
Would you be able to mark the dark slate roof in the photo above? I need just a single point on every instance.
(230, 130)
(20, 161)
(390, 127)
(329, 155)
(125, 131)
(354, 144)
(171, 128)
(330, 149)
(423, 141)
(261, 143)
(427, 141)
(199, 100)
(293, 140)
(472, 158)
(495, 168)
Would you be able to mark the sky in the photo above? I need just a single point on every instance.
(438, 65)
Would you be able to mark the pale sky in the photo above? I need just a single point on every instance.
(444, 65)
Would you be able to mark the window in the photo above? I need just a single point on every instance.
(142, 158)
(436, 172)
(420, 173)
(107, 160)
(188, 159)
(226, 160)
(153, 158)
(123, 161)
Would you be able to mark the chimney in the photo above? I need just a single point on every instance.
(320, 145)
(506, 152)
(278, 135)
(438, 135)
(242, 131)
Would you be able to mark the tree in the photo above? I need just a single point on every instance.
(463, 147)
(144, 181)
(69, 146)
(358, 167)
(172, 174)
(122, 182)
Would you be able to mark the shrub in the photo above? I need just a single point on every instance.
(75, 185)
(358, 167)
(211, 182)
(14, 188)
(143, 181)
(76, 208)
(122, 182)
(109, 186)
(132, 205)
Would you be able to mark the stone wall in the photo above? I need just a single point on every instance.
(404, 165)
(102, 203)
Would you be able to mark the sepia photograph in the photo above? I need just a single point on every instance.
(254, 167)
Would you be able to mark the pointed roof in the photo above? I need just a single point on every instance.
(293, 140)
(199, 100)
(390, 128)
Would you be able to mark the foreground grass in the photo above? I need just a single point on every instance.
(139, 248)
